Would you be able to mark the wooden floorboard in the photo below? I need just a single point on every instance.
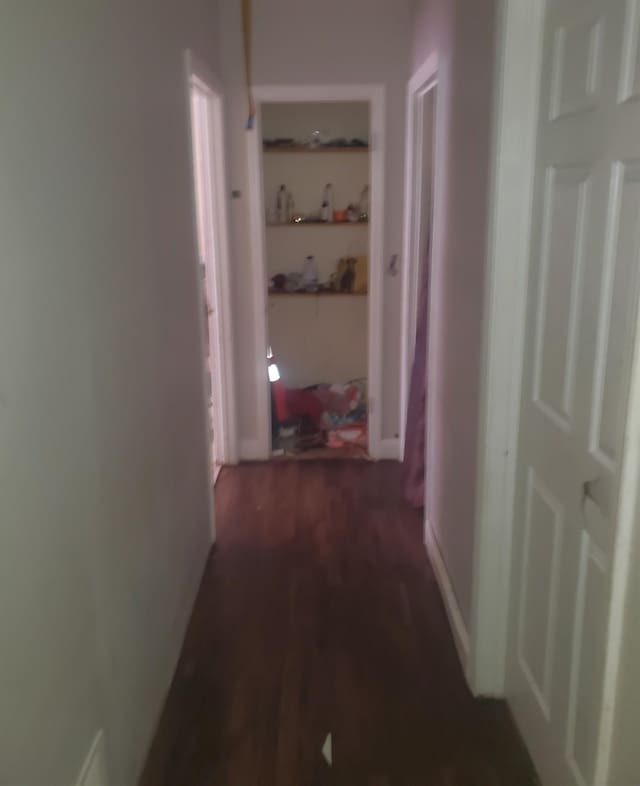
(319, 613)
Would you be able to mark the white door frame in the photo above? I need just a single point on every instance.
(519, 52)
(225, 422)
(374, 95)
(513, 169)
(420, 85)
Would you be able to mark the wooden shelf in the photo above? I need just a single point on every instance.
(313, 150)
(320, 224)
(324, 293)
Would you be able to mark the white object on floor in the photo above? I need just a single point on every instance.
(326, 750)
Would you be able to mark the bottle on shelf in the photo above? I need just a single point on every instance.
(364, 204)
(282, 205)
(324, 212)
(310, 274)
(328, 199)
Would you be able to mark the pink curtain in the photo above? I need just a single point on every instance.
(415, 440)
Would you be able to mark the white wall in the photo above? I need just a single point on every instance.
(242, 279)
(348, 119)
(103, 488)
(363, 41)
(462, 33)
(319, 339)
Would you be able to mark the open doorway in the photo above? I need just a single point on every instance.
(209, 186)
(420, 229)
(317, 198)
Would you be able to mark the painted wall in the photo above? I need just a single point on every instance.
(103, 488)
(319, 339)
(462, 34)
(363, 41)
(332, 119)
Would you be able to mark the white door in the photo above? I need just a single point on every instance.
(203, 170)
(582, 300)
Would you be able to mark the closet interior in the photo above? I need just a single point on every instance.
(316, 174)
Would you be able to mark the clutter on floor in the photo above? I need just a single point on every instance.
(324, 415)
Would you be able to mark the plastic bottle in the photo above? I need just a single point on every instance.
(310, 274)
(281, 205)
(364, 204)
(328, 198)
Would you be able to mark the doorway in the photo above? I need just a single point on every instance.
(316, 186)
(209, 189)
(316, 196)
(420, 248)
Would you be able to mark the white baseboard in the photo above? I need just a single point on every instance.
(250, 450)
(389, 449)
(456, 621)
(94, 769)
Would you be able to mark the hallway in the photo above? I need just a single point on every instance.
(319, 612)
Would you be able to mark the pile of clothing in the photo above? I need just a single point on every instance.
(332, 415)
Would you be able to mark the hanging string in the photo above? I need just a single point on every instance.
(246, 25)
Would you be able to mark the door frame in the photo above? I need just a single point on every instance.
(224, 413)
(518, 68)
(421, 84)
(374, 95)
(518, 65)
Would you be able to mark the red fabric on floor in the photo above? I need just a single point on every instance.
(304, 402)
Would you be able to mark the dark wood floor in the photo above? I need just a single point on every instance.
(319, 612)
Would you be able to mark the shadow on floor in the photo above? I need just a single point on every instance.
(319, 612)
